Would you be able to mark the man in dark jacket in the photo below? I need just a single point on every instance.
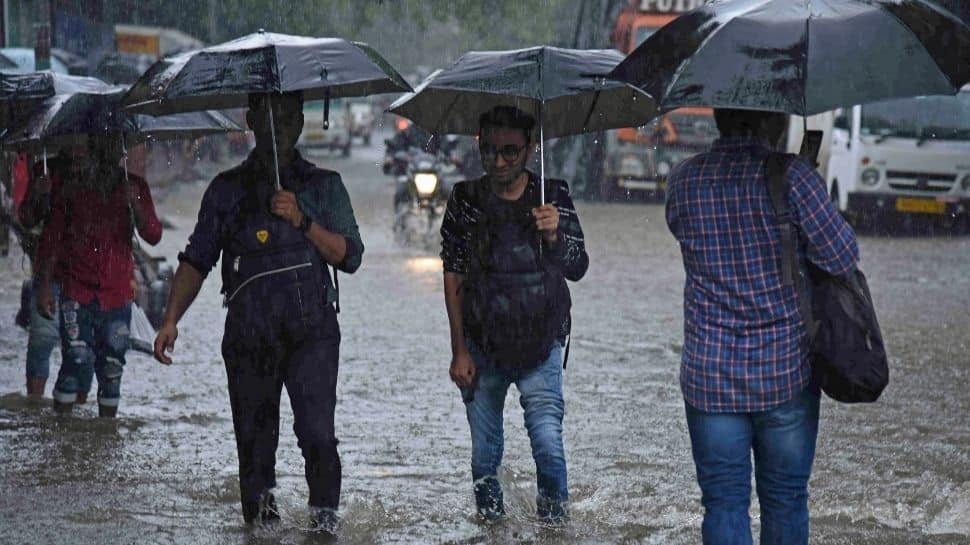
(506, 259)
(281, 328)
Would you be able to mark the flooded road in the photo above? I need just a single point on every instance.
(896, 472)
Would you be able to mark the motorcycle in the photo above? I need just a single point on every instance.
(421, 194)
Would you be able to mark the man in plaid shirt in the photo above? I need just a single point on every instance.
(745, 373)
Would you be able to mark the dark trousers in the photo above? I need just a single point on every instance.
(256, 376)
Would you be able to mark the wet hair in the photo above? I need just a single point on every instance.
(257, 101)
(507, 117)
(750, 123)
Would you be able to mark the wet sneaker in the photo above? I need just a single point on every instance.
(488, 499)
(323, 520)
(107, 411)
(552, 513)
(262, 514)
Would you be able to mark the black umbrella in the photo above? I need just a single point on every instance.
(68, 118)
(801, 56)
(223, 76)
(21, 93)
(564, 89)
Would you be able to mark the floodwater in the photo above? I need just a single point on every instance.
(895, 472)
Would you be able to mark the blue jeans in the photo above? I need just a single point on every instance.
(42, 337)
(540, 394)
(783, 441)
(92, 340)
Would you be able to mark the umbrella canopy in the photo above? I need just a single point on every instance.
(223, 76)
(21, 93)
(67, 118)
(563, 88)
(801, 57)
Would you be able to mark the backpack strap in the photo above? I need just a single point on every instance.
(776, 168)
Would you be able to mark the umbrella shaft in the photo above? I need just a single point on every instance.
(272, 130)
(542, 162)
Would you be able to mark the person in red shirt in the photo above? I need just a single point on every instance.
(87, 248)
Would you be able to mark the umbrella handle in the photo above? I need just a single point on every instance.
(124, 156)
(326, 110)
(45, 161)
(272, 129)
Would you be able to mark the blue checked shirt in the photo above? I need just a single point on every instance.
(743, 335)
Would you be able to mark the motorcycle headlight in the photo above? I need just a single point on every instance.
(663, 168)
(425, 183)
(870, 177)
(965, 184)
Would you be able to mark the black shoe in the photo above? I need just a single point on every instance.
(323, 520)
(488, 499)
(107, 411)
(552, 513)
(262, 513)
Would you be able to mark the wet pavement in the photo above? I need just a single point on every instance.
(896, 472)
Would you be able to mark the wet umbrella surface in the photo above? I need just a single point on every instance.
(801, 57)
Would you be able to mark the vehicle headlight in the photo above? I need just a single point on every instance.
(965, 183)
(870, 177)
(663, 168)
(425, 183)
(632, 166)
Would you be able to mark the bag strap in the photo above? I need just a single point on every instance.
(776, 168)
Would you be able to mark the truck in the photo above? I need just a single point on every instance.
(155, 42)
(137, 47)
(905, 158)
(639, 159)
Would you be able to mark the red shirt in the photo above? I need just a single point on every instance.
(89, 239)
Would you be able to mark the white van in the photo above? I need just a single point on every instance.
(900, 157)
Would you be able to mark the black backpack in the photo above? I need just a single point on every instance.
(845, 344)
(514, 318)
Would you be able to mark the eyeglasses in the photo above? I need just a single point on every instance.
(510, 152)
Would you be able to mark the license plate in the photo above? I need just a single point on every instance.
(638, 184)
(920, 206)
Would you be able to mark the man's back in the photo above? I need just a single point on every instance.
(743, 334)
